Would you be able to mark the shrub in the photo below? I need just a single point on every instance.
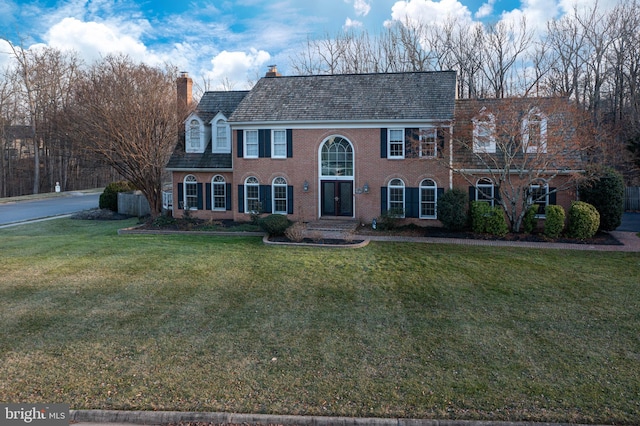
(452, 209)
(389, 220)
(606, 194)
(530, 222)
(554, 223)
(295, 232)
(584, 220)
(109, 197)
(487, 219)
(274, 224)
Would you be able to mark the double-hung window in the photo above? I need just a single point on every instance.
(251, 144)
(279, 144)
(484, 133)
(279, 192)
(396, 143)
(219, 193)
(396, 198)
(194, 136)
(539, 195)
(222, 140)
(428, 142)
(190, 193)
(534, 133)
(485, 191)
(252, 195)
(428, 199)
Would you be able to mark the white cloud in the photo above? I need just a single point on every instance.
(236, 69)
(361, 7)
(95, 39)
(536, 12)
(349, 23)
(485, 10)
(429, 12)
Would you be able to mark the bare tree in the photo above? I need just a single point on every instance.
(128, 113)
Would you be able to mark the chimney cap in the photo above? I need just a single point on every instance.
(273, 71)
(184, 74)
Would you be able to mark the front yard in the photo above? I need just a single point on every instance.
(202, 323)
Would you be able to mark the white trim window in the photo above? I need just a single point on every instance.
(428, 142)
(252, 195)
(395, 145)
(534, 132)
(279, 144)
(194, 136)
(190, 193)
(539, 195)
(428, 199)
(279, 194)
(395, 201)
(222, 140)
(218, 193)
(484, 132)
(251, 144)
(485, 191)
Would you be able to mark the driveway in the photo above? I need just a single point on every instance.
(630, 222)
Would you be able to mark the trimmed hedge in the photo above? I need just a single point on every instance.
(274, 224)
(452, 209)
(109, 197)
(554, 222)
(584, 220)
(530, 222)
(487, 219)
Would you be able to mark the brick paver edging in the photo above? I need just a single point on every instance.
(167, 417)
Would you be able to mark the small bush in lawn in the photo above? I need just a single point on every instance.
(530, 222)
(487, 219)
(554, 222)
(295, 232)
(390, 220)
(452, 209)
(584, 220)
(109, 197)
(274, 224)
(606, 194)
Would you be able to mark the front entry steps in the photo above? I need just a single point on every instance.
(331, 228)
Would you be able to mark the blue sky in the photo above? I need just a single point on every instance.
(232, 40)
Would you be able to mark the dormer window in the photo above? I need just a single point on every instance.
(194, 136)
(484, 132)
(222, 139)
(534, 132)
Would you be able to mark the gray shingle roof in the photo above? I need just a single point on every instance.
(350, 97)
(212, 103)
(181, 160)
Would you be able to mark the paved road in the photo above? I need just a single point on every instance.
(71, 202)
(630, 222)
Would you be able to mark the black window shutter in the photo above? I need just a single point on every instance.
(412, 202)
(552, 196)
(383, 143)
(264, 143)
(200, 200)
(265, 198)
(240, 198)
(289, 143)
(180, 200)
(411, 143)
(240, 138)
(289, 199)
(496, 193)
(228, 195)
(383, 200)
(207, 196)
(441, 140)
(472, 193)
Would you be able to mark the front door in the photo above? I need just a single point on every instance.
(337, 198)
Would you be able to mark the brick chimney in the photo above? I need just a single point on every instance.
(273, 71)
(184, 86)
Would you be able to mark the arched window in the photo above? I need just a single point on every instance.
(252, 195)
(534, 132)
(218, 193)
(485, 191)
(279, 194)
(336, 157)
(428, 199)
(190, 193)
(539, 195)
(484, 132)
(194, 136)
(396, 198)
(222, 143)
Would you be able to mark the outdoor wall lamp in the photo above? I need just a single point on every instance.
(305, 186)
(365, 188)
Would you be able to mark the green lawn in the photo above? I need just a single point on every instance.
(207, 323)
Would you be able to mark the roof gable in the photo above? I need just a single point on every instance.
(350, 97)
(214, 103)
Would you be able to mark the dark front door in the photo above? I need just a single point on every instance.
(337, 198)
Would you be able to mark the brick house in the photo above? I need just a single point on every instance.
(325, 147)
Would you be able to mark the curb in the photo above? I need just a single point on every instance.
(169, 417)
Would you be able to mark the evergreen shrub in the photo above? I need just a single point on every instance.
(109, 197)
(274, 224)
(606, 194)
(452, 209)
(554, 222)
(530, 222)
(584, 220)
(487, 219)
